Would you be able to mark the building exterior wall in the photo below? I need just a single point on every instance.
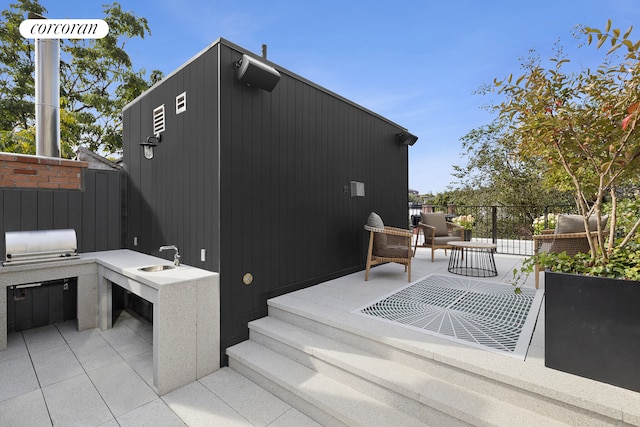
(260, 180)
(173, 197)
(287, 157)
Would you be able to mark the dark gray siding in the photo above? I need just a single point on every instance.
(286, 159)
(96, 212)
(173, 197)
(260, 184)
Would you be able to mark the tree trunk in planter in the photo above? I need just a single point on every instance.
(592, 328)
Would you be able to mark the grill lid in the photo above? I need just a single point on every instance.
(29, 247)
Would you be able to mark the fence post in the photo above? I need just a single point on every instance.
(494, 224)
(546, 217)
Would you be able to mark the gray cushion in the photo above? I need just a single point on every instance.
(575, 223)
(443, 240)
(436, 220)
(380, 239)
(375, 221)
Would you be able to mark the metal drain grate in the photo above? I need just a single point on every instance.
(483, 314)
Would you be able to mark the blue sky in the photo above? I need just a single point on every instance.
(418, 63)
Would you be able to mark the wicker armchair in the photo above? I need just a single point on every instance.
(388, 244)
(565, 238)
(437, 233)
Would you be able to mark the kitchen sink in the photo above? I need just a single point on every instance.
(154, 268)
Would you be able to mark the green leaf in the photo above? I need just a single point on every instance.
(614, 48)
(608, 26)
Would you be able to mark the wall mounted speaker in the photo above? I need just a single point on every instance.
(255, 73)
(406, 138)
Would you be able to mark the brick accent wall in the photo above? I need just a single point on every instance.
(24, 171)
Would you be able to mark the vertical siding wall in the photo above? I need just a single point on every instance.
(173, 198)
(286, 159)
(95, 212)
(258, 180)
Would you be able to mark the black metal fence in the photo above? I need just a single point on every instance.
(509, 227)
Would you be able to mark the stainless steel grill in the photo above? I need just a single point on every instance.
(32, 247)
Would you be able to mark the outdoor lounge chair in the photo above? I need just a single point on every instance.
(387, 244)
(568, 236)
(437, 232)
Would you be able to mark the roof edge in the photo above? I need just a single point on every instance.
(230, 44)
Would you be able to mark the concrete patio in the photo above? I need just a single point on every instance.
(57, 376)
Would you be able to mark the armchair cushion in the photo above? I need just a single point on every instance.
(575, 224)
(436, 220)
(443, 240)
(380, 239)
(375, 221)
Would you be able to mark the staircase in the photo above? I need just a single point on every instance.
(342, 369)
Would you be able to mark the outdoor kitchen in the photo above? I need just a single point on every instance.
(47, 281)
(63, 261)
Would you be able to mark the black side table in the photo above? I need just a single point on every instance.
(473, 259)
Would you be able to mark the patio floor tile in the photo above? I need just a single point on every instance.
(26, 410)
(121, 388)
(153, 414)
(76, 402)
(55, 364)
(43, 338)
(17, 377)
(199, 407)
(256, 404)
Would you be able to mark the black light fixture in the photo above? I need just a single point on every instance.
(147, 146)
(406, 138)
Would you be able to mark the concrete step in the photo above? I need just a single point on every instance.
(557, 396)
(323, 399)
(434, 400)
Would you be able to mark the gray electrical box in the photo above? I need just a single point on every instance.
(357, 189)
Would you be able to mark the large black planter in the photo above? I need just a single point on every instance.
(592, 328)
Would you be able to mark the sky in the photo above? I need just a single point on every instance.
(419, 63)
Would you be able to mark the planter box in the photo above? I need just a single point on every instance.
(592, 328)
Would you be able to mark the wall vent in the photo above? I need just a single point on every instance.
(158, 120)
(181, 103)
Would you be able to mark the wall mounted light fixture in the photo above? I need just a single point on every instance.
(147, 146)
(406, 138)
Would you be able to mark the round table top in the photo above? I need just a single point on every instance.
(473, 245)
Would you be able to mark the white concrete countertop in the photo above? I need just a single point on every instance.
(20, 268)
(186, 306)
(128, 263)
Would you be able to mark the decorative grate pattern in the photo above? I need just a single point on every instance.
(482, 314)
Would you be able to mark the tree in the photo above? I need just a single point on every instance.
(582, 127)
(494, 174)
(97, 80)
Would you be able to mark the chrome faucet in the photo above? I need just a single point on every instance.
(176, 257)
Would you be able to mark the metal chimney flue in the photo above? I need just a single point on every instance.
(47, 82)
